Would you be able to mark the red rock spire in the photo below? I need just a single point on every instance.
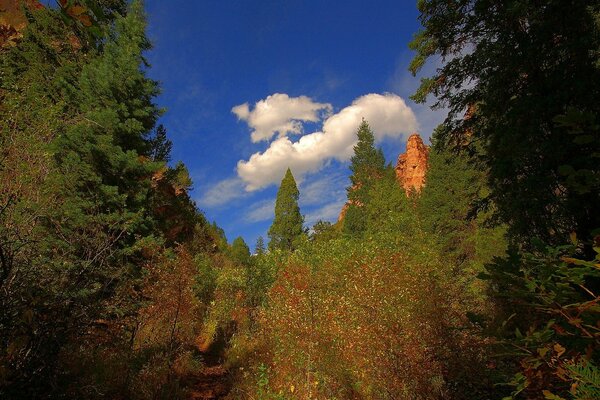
(412, 165)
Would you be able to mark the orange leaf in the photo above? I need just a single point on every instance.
(76, 10)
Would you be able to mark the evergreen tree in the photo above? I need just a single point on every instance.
(287, 228)
(388, 210)
(100, 175)
(450, 207)
(367, 165)
(160, 145)
(259, 248)
(323, 231)
(91, 206)
(37, 84)
(528, 75)
(452, 212)
(532, 101)
(240, 251)
(88, 207)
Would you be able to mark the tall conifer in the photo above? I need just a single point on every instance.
(240, 251)
(367, 164)
(287, 225)
(259, 248)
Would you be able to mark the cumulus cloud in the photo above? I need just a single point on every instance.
(280, 114)
(387, 114)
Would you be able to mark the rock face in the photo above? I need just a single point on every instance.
(412, 165)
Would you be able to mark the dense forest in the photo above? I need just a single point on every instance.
(478, 280)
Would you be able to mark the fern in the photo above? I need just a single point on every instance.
(587, 380)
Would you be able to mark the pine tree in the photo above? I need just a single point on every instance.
(367, 165)
(240, 251)
(160, 145)
(35, 104)
(388, 210)
(448, 204)
(101, 175)
(259, 248)
(286, 229)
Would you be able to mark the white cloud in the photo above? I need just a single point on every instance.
(387, 114)
(222, 192)
(261, 211)
(281, 114)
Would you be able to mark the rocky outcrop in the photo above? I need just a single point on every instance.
(412, 165)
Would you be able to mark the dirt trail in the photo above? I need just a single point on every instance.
(212, 383)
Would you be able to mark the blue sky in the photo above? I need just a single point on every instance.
(252, 87)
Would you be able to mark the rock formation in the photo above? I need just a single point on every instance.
(412, 165)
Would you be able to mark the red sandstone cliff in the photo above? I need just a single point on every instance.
(412, 165)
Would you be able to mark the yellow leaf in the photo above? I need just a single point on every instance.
(292, 388)
(559, 349)
(573, 237)
(569, 260)
(549, 395)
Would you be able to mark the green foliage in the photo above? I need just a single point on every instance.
(527, 76)
(388, 210)
(347, 318)
(109, 275)
(287, 227)
(554, 312)
(451, 209)
(84, 194)
(324, 231)
(587, 380)
(225, 311)
(86, 206)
